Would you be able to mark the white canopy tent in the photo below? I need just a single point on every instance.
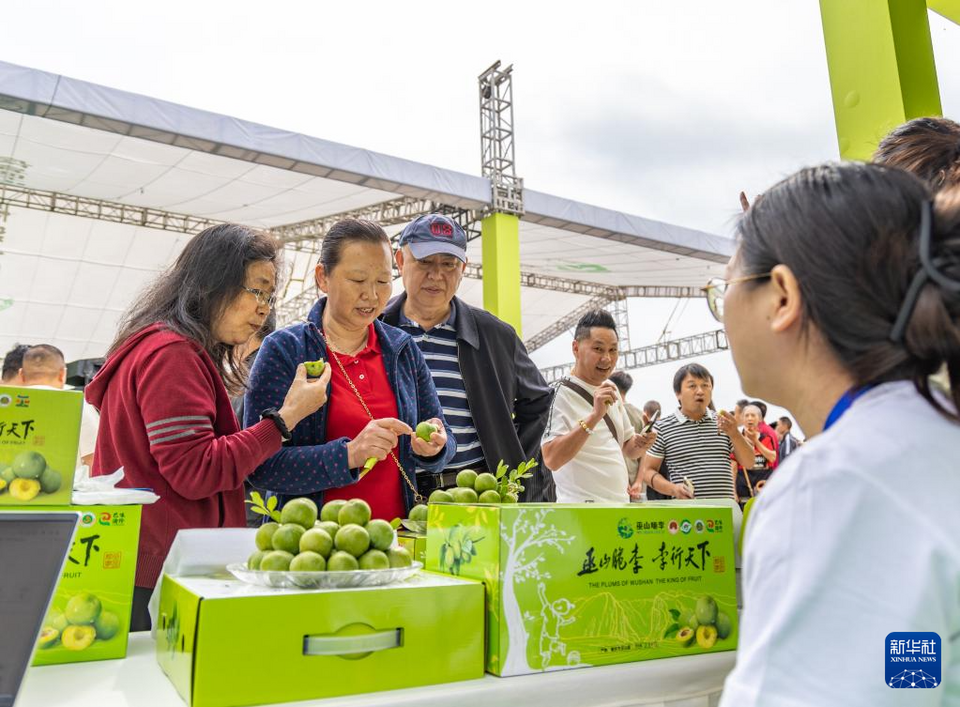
(100, 189)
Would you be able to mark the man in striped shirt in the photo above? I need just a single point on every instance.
(493, 397)
(695, 442)
(439, 347)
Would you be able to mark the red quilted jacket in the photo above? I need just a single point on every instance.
(165, 417)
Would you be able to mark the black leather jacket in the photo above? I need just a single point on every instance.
(508, 398)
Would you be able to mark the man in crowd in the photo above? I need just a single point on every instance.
(624, 382)
(738, 411)
(696, 443)
(589, 435)
(493, 396)
(12, 363)
(651, 408)
(43, 366)
(788, 443)
(249, 355)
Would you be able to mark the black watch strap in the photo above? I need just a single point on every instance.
(274, 414)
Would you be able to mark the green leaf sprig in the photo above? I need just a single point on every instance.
(268, 509)
(510, 480)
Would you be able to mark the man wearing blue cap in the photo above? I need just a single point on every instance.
(492, 394)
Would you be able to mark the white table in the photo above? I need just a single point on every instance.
(138, 681)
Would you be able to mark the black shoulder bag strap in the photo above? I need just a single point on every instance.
(579, 390)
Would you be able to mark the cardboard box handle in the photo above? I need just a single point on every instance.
(347, 645)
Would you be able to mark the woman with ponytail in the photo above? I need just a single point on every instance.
(849, 277)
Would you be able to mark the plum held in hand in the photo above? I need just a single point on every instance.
(425, 429)
(314, 368)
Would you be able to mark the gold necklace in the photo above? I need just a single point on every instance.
(417, 497)
(347, 351)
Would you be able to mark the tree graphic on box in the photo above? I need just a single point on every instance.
(525, 542)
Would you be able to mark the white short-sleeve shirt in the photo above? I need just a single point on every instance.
(598, 472)
(857, 535)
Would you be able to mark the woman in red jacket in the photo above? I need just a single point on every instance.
(163, 393)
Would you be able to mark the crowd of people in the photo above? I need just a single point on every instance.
(847, 275)
(202, 399)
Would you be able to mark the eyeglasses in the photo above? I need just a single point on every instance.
(716, 290)
(264, 299)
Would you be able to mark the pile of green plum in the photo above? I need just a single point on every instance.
(341, 537)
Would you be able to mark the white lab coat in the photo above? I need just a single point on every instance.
(856, 535)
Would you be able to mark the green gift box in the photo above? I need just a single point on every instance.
(575, 585)
(415, 544)
(39, 436)
(222, 642)
(89, 618)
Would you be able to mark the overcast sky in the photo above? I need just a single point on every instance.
(665, 110)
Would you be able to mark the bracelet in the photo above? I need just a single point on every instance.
(586, 429)
(655, 475)
(274, 414)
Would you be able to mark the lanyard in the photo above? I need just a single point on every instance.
(843, 404)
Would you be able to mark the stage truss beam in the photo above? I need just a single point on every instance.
(655, 354)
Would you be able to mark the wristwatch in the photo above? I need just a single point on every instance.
(274, 414)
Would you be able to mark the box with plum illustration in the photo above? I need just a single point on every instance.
(39, 436)
(89, 618)
(415, 543)
(294, 644)
(575, 585)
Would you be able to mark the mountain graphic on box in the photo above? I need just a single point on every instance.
(602, 616)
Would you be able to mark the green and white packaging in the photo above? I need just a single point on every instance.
(39, 436)
(90, 612)
(225, 643)
(575, 585)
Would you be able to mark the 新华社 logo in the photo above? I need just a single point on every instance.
(912, 659)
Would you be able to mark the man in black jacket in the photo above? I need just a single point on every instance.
(493, 396)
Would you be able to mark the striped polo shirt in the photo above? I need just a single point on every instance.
(439, 348)
(695, 449)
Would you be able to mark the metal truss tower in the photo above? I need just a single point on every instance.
(655, 354)
(497, 159)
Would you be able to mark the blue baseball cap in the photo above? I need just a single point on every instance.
(432, 234)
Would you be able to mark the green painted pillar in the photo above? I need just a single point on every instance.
(881, 69)
(947, 8)
(500, 235)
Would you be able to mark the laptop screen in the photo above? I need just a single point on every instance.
(33, 549)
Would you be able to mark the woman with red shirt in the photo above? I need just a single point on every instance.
(380, 387)
(749, 481)
(163, 393)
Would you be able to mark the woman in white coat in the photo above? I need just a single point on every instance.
(849, 277)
